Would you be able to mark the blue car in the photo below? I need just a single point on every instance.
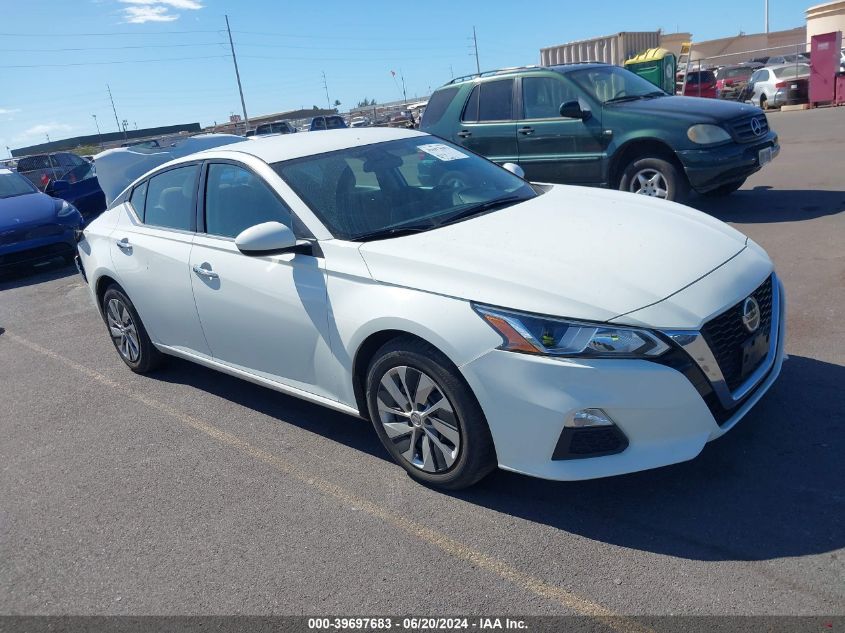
(33, 226)
(80, 187)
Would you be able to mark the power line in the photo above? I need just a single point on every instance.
(105, 48)
(121, 33)
(125, 61)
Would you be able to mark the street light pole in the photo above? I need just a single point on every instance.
(99, 136)
(766, 13)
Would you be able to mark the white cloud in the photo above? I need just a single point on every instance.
(141, 11)
(36, 132)
(4, 111)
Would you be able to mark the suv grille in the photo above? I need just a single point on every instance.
(744, 130)
(726, 333)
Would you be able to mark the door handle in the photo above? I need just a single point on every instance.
(464, 133)
(124, 244)
(526, 130)
(205, 272)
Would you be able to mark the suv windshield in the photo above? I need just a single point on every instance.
(611, 83)
(408, 185)
(12, 184)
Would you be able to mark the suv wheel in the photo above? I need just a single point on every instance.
(128, 334)
(427, 417)
(655, 177)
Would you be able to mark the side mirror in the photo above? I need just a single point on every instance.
(269, 238)
(572, 110)
(57, 186)
(515, 169)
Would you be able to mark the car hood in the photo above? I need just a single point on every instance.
(31, 208)
(575, 252)
(696, 109)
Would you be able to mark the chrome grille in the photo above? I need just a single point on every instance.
(744, 130)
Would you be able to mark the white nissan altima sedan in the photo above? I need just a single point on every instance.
(477, 319)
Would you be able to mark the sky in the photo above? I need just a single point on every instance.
(168, 61)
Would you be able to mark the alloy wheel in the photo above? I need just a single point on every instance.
(122, 330)
(649, 182)
(419, 419)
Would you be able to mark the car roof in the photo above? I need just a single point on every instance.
(272, 149)
(787, 65)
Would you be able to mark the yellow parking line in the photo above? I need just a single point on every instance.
(447, 544)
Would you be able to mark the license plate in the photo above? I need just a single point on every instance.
(753, 351)
(765, 156)
(794, 87)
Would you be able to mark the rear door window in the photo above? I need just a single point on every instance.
(490, 101)
(170, 199)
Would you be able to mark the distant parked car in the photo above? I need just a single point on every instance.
(276, 127)
(730, 80)
(41, 168)
(359, 121)
(775, 86)
(402, 119)
(331, 122)
(81, 188)
(33, 226)
(700, 83)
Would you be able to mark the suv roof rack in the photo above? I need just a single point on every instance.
(502, 71)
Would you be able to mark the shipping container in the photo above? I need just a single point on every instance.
(610, 49)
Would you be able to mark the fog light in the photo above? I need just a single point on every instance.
(588, 418)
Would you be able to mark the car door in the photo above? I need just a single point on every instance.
(263, 314)
(487, 124)
(553, 148)
(150, 250)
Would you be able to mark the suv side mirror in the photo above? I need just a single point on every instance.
(515, 169)
(572, 110)
(268, 238)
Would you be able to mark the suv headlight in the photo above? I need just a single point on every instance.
(548, 336)
(706, 134)
(66, 209)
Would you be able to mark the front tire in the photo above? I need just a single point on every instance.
(655, 177)
(427, 417)
(127, 332)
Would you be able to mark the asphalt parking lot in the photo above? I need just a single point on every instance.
(191, 492)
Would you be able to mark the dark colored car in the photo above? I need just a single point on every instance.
(81, 188)
(595, 124)
(276, 127)
(730, 80)
(41, 168)
(331, 122)
(33, 226)
(700, 83)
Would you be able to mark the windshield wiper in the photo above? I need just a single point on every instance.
(648, 95)
(397, 231)
(482, 207)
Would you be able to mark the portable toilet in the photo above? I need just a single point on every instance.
(656, 65)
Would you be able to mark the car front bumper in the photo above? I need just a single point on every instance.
(664, 419)
(710, 168)
(34, 250)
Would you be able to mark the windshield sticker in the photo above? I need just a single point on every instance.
(443, 152)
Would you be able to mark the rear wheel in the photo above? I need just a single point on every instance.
(725, 190)
(427, 417)
(127, 332)
(655, 177)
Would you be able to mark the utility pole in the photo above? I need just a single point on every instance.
(475, 43)
(99, 136)
(404, 93)
(115, 114)
(326, 86)
(237, 73)
(766, 13)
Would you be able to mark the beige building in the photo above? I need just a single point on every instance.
(825, 18)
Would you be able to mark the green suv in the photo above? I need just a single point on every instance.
(596, 124)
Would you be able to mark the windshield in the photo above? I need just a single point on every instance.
(611, 83)
(12, 184)
(731, 73)
(799, 70)
(412, 184)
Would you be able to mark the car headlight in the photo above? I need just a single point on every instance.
(66, 209)
(705, 134)
(548, 336)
